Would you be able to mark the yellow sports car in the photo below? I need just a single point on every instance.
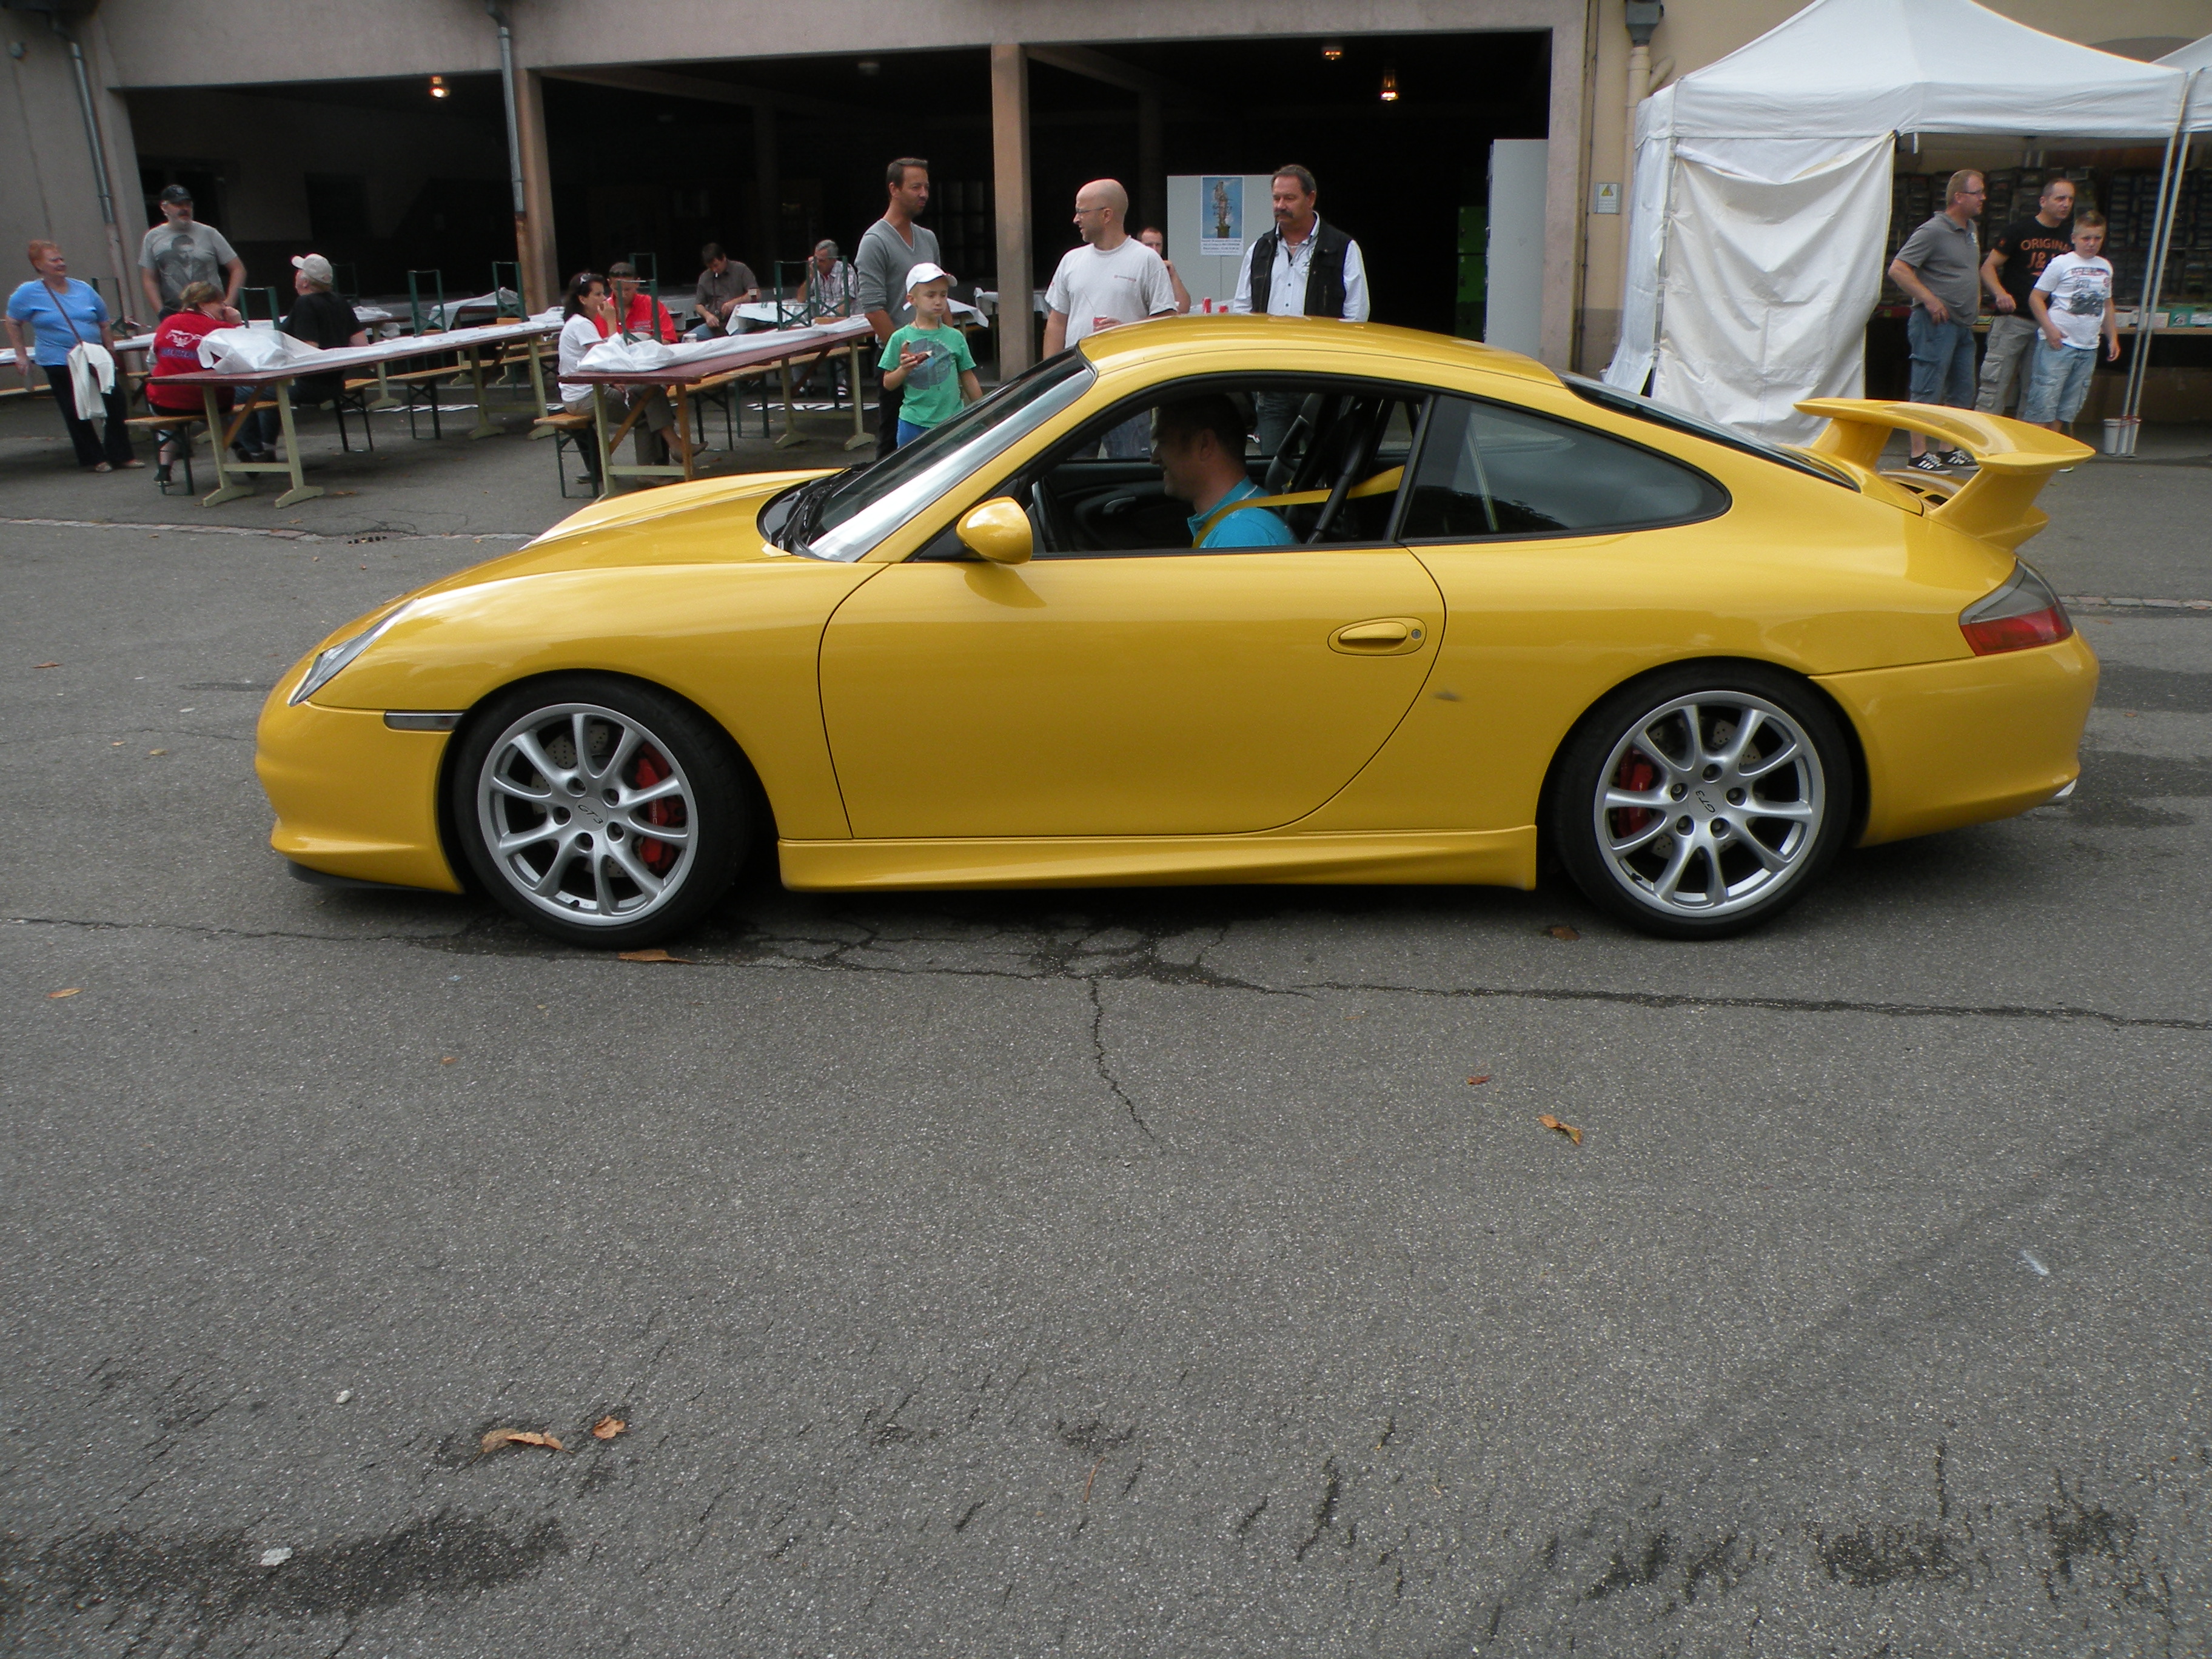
(1257, 600)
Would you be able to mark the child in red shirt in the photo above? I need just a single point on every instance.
(177, 351)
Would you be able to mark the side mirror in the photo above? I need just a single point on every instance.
(999, 531)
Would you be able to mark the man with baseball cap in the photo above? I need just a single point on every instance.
(181, 251)
(321, 318)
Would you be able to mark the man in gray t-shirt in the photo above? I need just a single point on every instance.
(1940, 266)
(181, 251)
(888, 249)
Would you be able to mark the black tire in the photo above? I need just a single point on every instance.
(1724, 835)
(650, 762)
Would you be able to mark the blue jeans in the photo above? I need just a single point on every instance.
(1942, 360)
(2058, 381)
(908, 431)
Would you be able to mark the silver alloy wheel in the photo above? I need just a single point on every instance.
(1710, 804)
(586, 814)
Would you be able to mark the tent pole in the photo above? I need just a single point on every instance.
(2169, 203)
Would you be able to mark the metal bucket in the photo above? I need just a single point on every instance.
(2120, 435)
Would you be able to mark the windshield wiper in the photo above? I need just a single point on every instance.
(806, 512)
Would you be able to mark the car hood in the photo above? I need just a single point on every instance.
(710, 521)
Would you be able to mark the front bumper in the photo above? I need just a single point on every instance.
(1968, 740)
(353, 798)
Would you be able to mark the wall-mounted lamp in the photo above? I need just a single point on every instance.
(1389, 86)
(438, 87)
(1332, 50)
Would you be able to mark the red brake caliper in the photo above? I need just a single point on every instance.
(658, 856)
(1636, 772)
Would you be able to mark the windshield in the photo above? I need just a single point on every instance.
(864, 507)
(1645, 409)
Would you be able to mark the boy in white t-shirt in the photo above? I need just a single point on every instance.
(2073, 305)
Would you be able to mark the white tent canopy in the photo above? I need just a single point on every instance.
(2198, 55)
(1759, 207)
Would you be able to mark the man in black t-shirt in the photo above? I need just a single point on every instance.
(321, 318)
(2016, 258)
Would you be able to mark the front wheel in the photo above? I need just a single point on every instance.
(1698, 803)
(601, 811)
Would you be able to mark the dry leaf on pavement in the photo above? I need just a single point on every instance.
(1566, 1129)
(45, 665)
(607, 1428)
(656, 954)
(498, 1437)
(55, 996)
(1485, 1077)
(150, 753)
(1560, 930)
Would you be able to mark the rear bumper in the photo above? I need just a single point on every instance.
(353, 798)
(1969, 740)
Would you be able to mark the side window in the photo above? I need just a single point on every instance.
(1491, 470)
(1320, 459)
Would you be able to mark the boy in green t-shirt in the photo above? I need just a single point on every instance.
(929, 359)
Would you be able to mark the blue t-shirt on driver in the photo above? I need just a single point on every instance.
(43, 309)
(1255, 527)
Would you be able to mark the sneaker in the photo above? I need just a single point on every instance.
(1957, 458)
(1930, 462)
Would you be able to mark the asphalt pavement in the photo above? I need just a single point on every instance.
(1074, 1273)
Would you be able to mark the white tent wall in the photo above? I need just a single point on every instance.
(1793, 108)
(2196, 55)
(1769, 305)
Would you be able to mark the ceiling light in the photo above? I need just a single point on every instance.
(1389, 86)
(867, 66)
(1332, 50)
(438, 88)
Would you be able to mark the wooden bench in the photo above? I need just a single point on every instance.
(566, 428)
(187, 428)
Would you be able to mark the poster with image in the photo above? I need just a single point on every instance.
(1221, 214)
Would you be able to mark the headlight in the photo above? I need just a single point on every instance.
(327, 663)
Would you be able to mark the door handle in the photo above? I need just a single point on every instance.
(1384, 636)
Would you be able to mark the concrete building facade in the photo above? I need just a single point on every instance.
(641, 127)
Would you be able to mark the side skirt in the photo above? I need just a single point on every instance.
(1489, 858)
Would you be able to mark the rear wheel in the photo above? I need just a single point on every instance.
(600, 812)
(1698, 803)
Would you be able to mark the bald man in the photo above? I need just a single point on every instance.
(1112, 279)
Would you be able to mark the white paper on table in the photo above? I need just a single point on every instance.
(245, 350)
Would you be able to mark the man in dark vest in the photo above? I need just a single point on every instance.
(1305, 267)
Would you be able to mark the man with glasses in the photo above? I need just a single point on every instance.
(1940, 266)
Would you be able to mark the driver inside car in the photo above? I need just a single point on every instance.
(1199, 444)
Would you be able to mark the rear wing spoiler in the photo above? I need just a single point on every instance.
(2014, 461)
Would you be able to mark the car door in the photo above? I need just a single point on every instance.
(1137, 692)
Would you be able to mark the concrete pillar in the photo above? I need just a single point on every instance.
(769, 182)
(1152, 169)
(1010, 195)
(534, 226)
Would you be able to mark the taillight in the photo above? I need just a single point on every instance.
(2022, 613)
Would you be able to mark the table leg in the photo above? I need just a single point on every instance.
(860, 439)
(302, 490)
(537, 386)
(227, 488)
(684, 434)
(791, 432)
(485, 428)
(383, 399)
(600, 437)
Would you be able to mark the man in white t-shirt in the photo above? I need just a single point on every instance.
(1112, 279)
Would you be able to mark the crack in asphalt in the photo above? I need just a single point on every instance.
(1069, 960)
(1098, 1060)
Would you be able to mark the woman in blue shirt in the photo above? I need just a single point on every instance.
(59, 312)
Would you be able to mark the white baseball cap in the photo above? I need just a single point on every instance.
(925, 271)
(313, 266)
